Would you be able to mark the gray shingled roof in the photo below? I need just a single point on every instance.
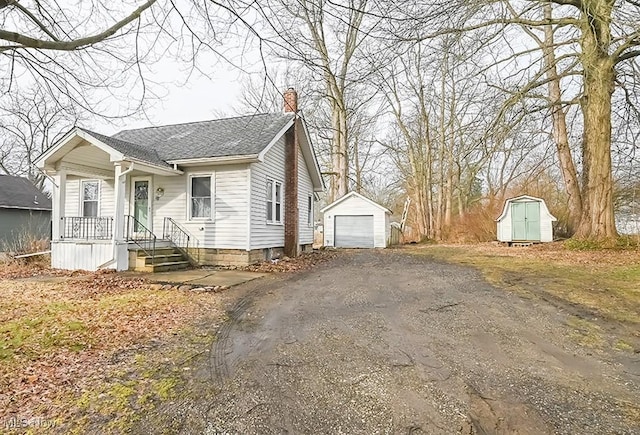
(18, 192)
(243, 135)
(146, 154)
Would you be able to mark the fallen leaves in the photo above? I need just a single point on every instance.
(56, 338)
(286, 264)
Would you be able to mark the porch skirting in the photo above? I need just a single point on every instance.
(89, 255)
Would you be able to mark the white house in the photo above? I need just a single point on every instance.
(227, 191)
(525, 219)
(354, 221)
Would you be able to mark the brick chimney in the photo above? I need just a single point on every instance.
(290, 101)
(291, 212)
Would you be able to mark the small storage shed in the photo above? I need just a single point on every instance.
(525, 219)
(354, 221)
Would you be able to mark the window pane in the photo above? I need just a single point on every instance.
(309, 210)
(278, 212)
(278, 192)
(269, 210)
(90, 209)
(201, 187)
(201, 207)
(141, 190)
(90, 190)
(269, 191)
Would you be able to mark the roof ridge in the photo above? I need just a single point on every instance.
(197, 122)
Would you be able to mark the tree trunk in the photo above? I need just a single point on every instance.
(560, 135)
(599, 77)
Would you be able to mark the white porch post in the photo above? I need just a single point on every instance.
(118, 217)
(59, 197)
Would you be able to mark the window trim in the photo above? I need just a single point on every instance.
(190, 217)
(310, 211)
(275, 185)
(81, 196)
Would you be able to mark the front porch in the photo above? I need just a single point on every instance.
(103, 207)
(89, 243)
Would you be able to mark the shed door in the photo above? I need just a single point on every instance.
(353, 231)
(525, 219)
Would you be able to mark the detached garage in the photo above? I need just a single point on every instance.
(354, 221)
(525, 219)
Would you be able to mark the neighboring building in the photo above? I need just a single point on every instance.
(354, 221)
(25, 214)
(227, 191)
(525, 219)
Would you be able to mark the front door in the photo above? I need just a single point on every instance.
(141, 203)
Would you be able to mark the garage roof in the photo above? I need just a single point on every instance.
(18, 192)
(351, 195)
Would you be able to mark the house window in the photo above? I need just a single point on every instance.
(274, 202)
(310, 210)
(90, 198)
(200, 190)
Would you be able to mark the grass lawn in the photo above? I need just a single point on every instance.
(604, 283)
(94, 350)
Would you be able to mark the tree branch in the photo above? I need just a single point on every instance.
(25, 41)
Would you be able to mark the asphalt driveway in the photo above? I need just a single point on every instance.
(385, 342)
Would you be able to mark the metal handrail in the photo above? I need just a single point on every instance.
(137, 233)
(177, 235)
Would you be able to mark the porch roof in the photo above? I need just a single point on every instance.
(129, 149)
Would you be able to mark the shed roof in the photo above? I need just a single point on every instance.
(505, 210)
(354, 195)
(18, 192)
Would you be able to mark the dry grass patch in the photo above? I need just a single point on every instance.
(605, 281)
(60, 341)
(601, 287)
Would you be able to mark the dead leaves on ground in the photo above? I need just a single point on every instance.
(286, 264)
(56, 338)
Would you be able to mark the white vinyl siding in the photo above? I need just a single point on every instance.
(228, 229)
(264, 235)
(305, 190)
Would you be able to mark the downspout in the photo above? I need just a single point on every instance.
(113, 242)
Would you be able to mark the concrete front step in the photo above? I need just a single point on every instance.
(164, 267)
(159, 258)
(164, 259)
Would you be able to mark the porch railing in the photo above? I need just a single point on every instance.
(178, 237)
(137, 233)
(87, 228)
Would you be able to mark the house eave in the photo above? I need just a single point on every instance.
(16, 207)
(150, 167)
(223, 160)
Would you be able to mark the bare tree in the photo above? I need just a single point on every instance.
(29, 122)
(598, 38)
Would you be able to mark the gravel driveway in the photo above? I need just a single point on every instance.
(386, 342)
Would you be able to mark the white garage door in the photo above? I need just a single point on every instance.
(353, 231)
